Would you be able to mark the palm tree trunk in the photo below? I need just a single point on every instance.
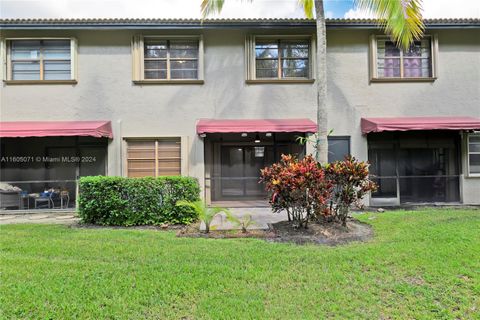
(321, 80)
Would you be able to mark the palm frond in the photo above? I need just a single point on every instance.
(211, 7)
(401, 19)
(308, 7)
(216, 210)
(231, 217)
(210, 213)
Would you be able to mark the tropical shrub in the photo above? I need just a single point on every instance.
(297, 186)
(306, 190)
(204, 213)
(351, 184)
(243, 222)
(136, 201)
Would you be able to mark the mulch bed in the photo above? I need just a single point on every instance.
(322, 233)
(317, 233)
(331, 234)
(193, 231)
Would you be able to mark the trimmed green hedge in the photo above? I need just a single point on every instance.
(118, 201)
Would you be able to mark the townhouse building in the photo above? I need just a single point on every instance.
(220, 99)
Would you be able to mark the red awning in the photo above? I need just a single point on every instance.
(261, 125)
(419, 123)
(18, 129)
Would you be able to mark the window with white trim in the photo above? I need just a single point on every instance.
(279, 57)
(153, 157)
(167, 59)
(41, 59)
(391, 62)
(473, 154)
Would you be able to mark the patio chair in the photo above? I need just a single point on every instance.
(64, 196)
(60, 199)
(42, 201)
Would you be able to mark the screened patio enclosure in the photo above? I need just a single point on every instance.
(42, 172)
(415, 166)
(237, 149)
(234, 162)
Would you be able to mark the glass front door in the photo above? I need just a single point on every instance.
(240, 170)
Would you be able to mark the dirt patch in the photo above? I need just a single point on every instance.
(325, 234)
(318, 233)
(193, 231)
(416, 281)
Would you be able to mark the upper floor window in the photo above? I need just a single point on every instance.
(392, 63)
(474, 154)
(273, 58)
(43, 60)
(165, 59)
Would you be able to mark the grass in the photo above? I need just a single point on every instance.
(422, 264)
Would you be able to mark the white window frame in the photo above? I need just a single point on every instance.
(471, 174)
(138, 73)
(250, 58)
(373, 61)
(6, 61)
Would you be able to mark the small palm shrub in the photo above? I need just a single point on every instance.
(243, 222)
(205, 213)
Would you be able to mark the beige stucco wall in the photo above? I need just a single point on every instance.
(105, 91)
(456, 92)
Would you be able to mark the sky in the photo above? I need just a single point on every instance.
(191, 9)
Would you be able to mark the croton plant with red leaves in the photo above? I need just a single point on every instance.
(352, 183)
(299, 187)
(305, 189)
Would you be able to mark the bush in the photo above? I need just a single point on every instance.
(305, 189)
(298, 187)
(351, 184)
(136, 201)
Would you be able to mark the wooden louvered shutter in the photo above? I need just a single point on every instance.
(156, 157)
(168, 157)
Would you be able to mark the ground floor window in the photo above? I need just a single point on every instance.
(338, 148)
(416, 166)
(474, 154)
(153, 157)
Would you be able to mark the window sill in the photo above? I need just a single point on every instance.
(141, 82)
(278, 81)
(472, 176)
(15, 82)
(403, 79)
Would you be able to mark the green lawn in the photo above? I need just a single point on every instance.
(423, 264)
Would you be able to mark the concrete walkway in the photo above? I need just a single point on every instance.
(47, 217)
(261, 218)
